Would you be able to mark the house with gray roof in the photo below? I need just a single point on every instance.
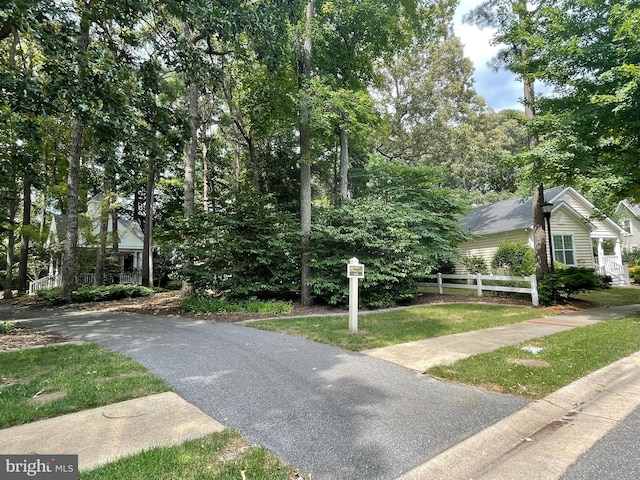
(130, 241)
(628, 216)
(582, 235)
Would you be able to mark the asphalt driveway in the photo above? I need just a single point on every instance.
(330, 413)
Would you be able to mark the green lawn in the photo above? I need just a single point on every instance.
(219, 456)
(399, 326)
(568, 355)
(46, 382)
(612, 297)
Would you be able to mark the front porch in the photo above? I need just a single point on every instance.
(607, 260)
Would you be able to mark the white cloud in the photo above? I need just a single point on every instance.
(500, 89)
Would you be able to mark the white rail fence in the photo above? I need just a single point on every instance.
(54, 281)
(484, 283)
(44, 283)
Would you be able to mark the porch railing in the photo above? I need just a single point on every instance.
(619, 273)
(54, 281)
(44, 283)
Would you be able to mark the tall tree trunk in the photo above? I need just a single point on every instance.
(147, 249)
(190, 161)
(205, 177)
(11, 243)
(115, 245)
(24, 239)
(344, 164)
(539, 236)
(304, 74)
(98, 278)
(73, 184)
(253, 161)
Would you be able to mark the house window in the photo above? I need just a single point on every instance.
(563, 249)
(625, 223)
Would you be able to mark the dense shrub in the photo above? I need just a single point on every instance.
(403, 225)
(7, 327)
(51, 296)
(199, 304)
(515, 258)
(247, 248)
(110, 292)
(569, 281)
(475, 264)
(631, 257)
(634, 273)
(96, 294)
(390, 239)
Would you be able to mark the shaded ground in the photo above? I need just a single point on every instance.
(168, 303)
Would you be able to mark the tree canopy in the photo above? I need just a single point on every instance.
(217, 124)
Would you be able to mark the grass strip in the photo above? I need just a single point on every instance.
(611, 297)
(47, 382)
(220, 456)
(399, 326)
(564, 358)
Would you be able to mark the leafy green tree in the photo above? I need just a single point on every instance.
(590, 52)
(403, 228)
(514, 22)
(429, 91)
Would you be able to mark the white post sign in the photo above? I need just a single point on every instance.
(355, 270)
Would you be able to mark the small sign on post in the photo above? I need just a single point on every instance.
(355, 271)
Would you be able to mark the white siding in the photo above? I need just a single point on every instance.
(632, 242)
(486, 246)
(563, 224)
(602, 228)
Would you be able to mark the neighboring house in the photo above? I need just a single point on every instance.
(628, 216)
(582, 235)
(130, 243)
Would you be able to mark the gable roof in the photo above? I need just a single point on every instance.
(516, 213)
(633, 208)
(504, 216)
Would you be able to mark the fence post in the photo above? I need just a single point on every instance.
(439, 283)
(534, 290)
(479, 283)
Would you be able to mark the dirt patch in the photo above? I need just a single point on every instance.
(22, 338)
(40, 399)
(234, 449)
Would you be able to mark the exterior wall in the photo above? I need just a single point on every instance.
(486, 246)
(128, 241)
(631, 241)
(564, 224)
(603, 229)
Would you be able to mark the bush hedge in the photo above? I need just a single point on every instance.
(96, 294)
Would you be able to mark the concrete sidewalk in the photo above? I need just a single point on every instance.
(423, 354)
(105, 434)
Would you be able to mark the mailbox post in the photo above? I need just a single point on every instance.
(355, 271)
